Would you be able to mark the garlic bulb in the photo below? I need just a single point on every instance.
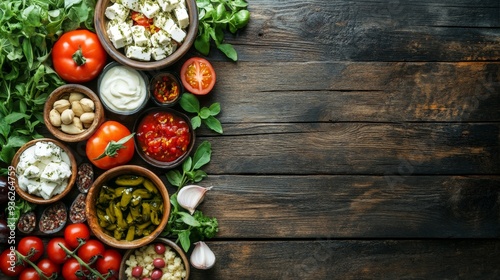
(202, 257)
(189, 197)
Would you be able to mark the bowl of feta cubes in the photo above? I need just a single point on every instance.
(146, 34)
(45, 170)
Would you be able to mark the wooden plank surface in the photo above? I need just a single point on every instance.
(355, 259)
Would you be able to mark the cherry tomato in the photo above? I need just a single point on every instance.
(90, 249)
(70, 268)
(140, 19)
(110, 260)
(198, 76)
(29, 274)
(48, 267)
(75, 231)
(78, 56)
(7, 260)
(26, 244)
(115, 154)
(54, 252)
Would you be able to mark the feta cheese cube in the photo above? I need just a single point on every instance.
(167, 25)
(47, 189)
(166, 5)
(150, 8)
(32, 172)
(182, 17)
(176, 33)
(159, 39)
(158, 53)
(116, 11)
(139, 53)
(50, 172)
(64, 170)
(42, 149)
(120, 35)
(33, 187)
(139, 35)
(132, 4)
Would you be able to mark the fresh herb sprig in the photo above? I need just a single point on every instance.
(205, 115)
(187, 228)
(28, 29)
(216, 17)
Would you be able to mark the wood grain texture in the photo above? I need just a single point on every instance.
(354, 206)
(346, 259)
(357, 92)
(370, 31)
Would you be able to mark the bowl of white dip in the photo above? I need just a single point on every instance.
(45, 170)
(122, 89)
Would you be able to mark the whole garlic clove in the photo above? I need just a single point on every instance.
(189, 197)
(202, 257)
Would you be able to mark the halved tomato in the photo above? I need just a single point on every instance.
(198, 76)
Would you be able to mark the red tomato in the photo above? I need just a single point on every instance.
(73, 232)
(117, 153)
(78, 56)
(90, 249)
(140, 19)
(8, 259)
(29, 274)
(54, 252)
(70, 268)
(110, 260)
(198, 76)
(26, 244)
(48, 267)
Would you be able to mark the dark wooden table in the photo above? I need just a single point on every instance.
(361, 141)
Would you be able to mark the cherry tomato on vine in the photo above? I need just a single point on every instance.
(75, 231)
(48, 267)
(120, 149)
(78, 56)
(70, 268)
(198, 76)
(26, 244)
(7, 259)
(90, 249)
(29, 274)
(54, 252)
(110, 260)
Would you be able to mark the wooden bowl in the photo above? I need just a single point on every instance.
(40, 200)
(101, 23)
(91, 206)
(65, 90)
(167, 243)
(149, 159)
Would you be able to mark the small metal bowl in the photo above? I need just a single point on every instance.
(165, 89)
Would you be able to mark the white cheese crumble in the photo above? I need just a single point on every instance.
(170, 20)
(43, 170)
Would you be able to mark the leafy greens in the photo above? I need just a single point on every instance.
(28, 30)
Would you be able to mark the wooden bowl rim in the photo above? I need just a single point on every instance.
(98, 111)
(71, 181)
(90, 207)
(100, 22)
(165, 241)
(157, 163)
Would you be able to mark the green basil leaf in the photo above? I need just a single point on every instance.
(14, 117)
(241, 18)
(174, 177)
(202, 155)
(214, 109)
(183, 237)
(187, 165)
(202, 42)
(17, 141)
(7, 153)
(214, 124)
(229, 51)
(189, 103)
(188, 219)
(199, 175)
(204, 113)
(173, 201)
(195, 122)
(239, 3)
(220, 11)
(28, 52)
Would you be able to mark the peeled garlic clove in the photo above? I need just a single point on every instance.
(202, 257)
(189, 197)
